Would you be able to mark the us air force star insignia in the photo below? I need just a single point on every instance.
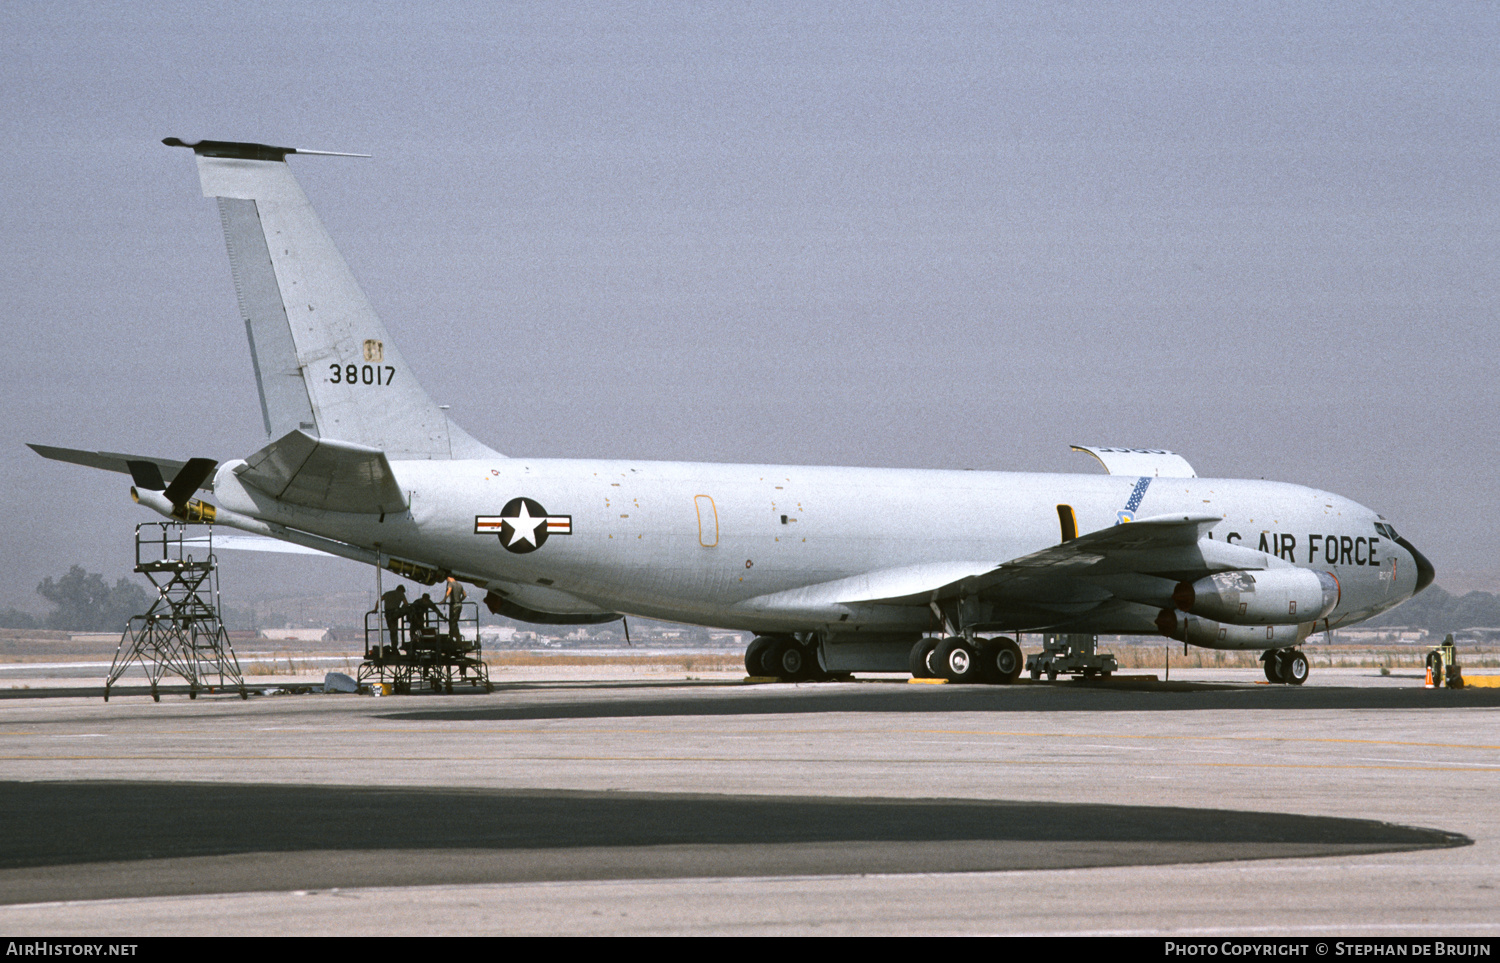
(523, 525)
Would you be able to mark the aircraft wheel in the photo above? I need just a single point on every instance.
(921, 658)
(957, 660)
(755, 655)
(1272, 661)
(791, 662)
(1005, 661)
(1294, 668)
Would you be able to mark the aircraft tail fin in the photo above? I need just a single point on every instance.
(324, 363)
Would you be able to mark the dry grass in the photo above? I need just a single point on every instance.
(289, 666)
(687, 661)
(1351, 656)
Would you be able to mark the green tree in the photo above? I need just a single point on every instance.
(13, 618)
(84, 602)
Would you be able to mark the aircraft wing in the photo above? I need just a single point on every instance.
(1139, 562)
(335, 476)
(1164, 545)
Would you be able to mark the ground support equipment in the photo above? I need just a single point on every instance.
(1070, 654)
(181, 633)
(432, 650)
(1443, 670)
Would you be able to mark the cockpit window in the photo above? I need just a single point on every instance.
(1386, 530)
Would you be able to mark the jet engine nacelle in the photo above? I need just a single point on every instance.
(1283, 596)
(1216, 635)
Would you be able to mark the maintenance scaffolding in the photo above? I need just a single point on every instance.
(434, 644)
(181, 633)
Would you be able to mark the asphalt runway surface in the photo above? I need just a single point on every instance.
(1353, 805)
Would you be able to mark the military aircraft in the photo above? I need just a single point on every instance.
(836, 570)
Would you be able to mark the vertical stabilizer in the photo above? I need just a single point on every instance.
(324, 362)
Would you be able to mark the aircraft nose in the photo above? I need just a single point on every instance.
(1425, 572)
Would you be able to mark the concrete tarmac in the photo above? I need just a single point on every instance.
(1355, 805)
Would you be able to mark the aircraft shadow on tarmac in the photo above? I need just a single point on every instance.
(92, 840)
(1075, 697)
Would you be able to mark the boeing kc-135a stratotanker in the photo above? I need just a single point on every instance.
(836, 570)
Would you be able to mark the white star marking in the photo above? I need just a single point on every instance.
(524, 526)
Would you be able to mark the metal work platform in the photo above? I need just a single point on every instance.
(433, 645)
(181, 633)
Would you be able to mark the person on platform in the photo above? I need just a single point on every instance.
(394, 604)
(419, 615)
(454, 596)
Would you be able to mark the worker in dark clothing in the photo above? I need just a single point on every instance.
(394, 603)
(454, 596)
(418, 615)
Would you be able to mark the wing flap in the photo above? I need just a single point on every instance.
(322, 473)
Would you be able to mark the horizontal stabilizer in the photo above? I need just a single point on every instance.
(145, 471)
(321, 473)
(253, 543)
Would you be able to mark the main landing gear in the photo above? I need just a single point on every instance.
(784, 657)
(1286, 666)
(958, 659)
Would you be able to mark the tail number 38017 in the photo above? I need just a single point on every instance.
(361, 374)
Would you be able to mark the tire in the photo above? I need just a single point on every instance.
(921, 658)
(1272, 661)
(791, 662)
(1294, 668)
(1005, 661)
(957, 660)
(755, 655)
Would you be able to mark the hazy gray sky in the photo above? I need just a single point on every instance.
(907, 235)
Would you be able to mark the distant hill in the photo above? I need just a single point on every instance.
(1440, 612)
